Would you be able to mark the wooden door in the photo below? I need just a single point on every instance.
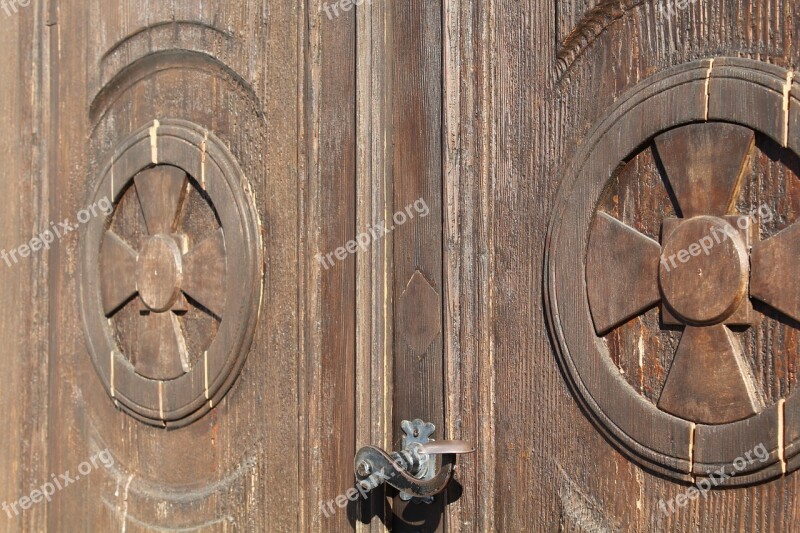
(221, 139)
(617, 393)
(271, 232)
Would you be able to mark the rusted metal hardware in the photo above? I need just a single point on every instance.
(412, 470)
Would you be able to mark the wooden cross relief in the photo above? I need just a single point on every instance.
(164, 271)
(682, 211)
(171, 278)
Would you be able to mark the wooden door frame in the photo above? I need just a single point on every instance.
(468, 146)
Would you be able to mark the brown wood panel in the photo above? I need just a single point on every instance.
(553, 84)
(416, 42)
(331, 216)
(275, 84)
(474, 107)
(25, 189)
(374, 306)
(469, 170)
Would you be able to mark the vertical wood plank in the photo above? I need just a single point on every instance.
(374, 306)
(470, 151)
(416, 40)
(331, 168)
(24, 355)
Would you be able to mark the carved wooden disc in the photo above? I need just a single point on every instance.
(180, 254)
(695, 277)
(158, 273)
(704, 270)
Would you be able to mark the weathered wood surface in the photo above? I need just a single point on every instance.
(416, 113)
(521, 85)
(26, 108)
(275, 82)
(604, 49)
(374, 275)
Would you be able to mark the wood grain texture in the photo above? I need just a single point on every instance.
(622, 273)
(708, 382)
(614, 494)
(25, 148)
(416, 42)
(477, 107)
(771, 262)
(161, 191)
(162, 352)
(707, 284)
(470, 152)
(204, 273)
(118, 271)
(704, 164)
(330, 390)
(238, 467)
(374, 275)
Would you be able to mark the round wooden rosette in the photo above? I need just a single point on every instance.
(164, 273)
(601, 273)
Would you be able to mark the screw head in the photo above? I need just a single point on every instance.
(363, 469)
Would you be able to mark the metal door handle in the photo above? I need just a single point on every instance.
(412, 470)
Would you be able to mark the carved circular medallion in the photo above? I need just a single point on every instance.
(718, 272)
(171, 280)
(656, 257)
(159, 270)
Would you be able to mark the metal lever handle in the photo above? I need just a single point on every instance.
(447, 446)
(413, 470)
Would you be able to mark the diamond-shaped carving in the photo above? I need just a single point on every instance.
(419, 313)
